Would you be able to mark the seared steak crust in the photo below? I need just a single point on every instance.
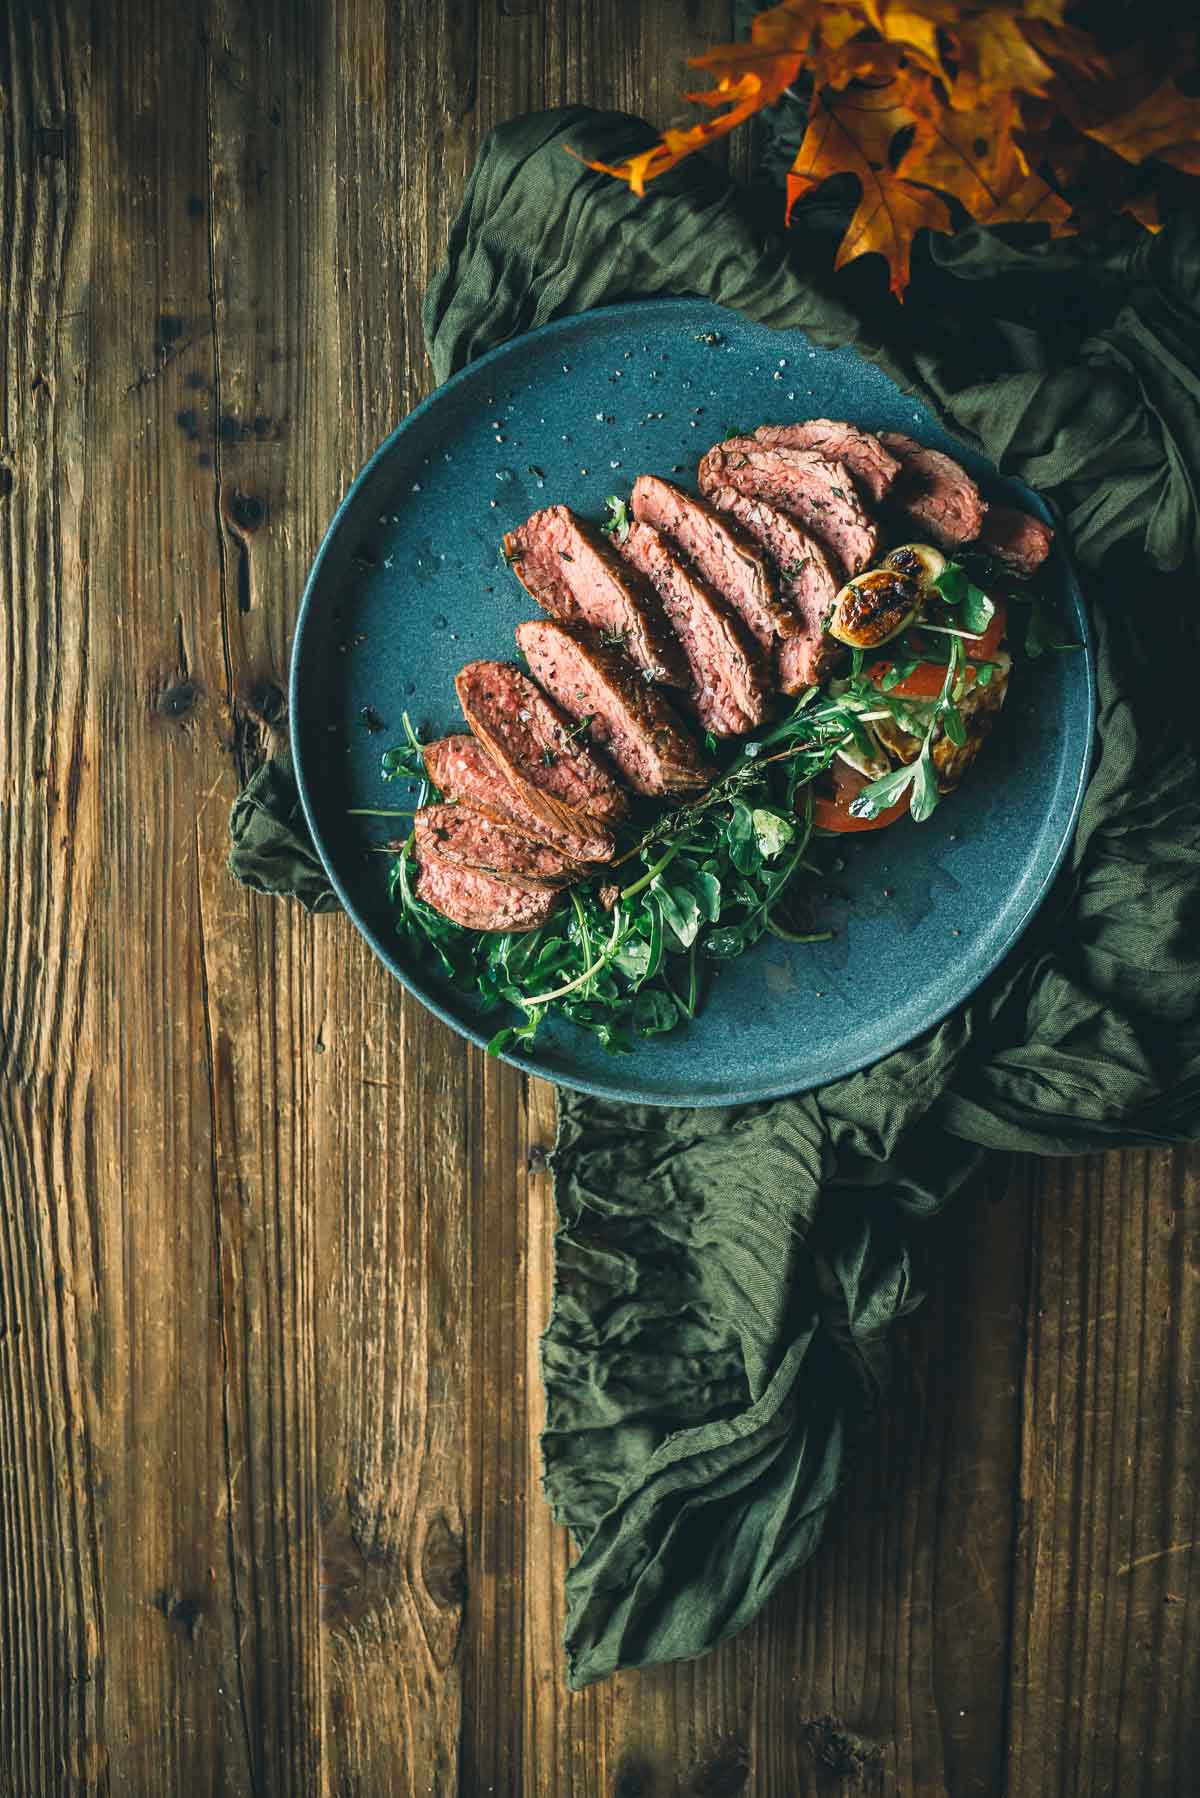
(531, 743)
(626, 718)
(573, 574)
(873, 467)
(933, 491)
(461, 768)
(807, 583)
(723, 555)
(460, 834)
(481, 901)
(728, 691)
(1017, 538)
(818, 492)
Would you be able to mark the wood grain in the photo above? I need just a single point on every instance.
(1105, 1677)
(275, 1246)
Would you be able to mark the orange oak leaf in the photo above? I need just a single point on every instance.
(745, 97)
(994, 56)
(974, 156)
(857, 134)
(913, 26)
(1165, 124)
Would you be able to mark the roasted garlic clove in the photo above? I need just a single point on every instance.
(918, 561)
(874, 607)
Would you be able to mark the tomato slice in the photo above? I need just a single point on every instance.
(828, 814)
(927, 678)
(925, 681)
(831, 810)
(993, 636)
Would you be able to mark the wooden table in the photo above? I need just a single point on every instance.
(275, 1245)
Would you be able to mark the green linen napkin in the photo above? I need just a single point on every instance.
(726, 1279)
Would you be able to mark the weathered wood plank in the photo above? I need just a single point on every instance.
(55, 1353)
(1105, 1672)
(269, 414)
(419, 1144)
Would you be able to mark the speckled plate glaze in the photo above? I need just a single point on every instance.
(409, 584)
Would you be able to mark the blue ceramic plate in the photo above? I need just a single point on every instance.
(409, 585)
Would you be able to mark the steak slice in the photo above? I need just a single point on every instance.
(725, 557)
(808, 585)
(531, 744)
(818, 492)
(728, 692)
(639, 732)
(480, 901)
(461, 768)
(573, 574)
(1017, 538)
(932, 490)
(874, 468)
(459, 834)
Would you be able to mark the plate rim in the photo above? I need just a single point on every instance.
(617, 1089)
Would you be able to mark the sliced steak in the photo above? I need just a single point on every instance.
(573, 574)
(874, 468)
(481, 901)
(531, 743)
(461, 768)
(725, 557)
(818, 492)
(1021, 541)
(807, 584)
(938, 496)
(626, 717)
(728, 691)
(460, 834)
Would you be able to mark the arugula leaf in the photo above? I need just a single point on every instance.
(857, 734)
(655, 1012)
(900, 670)
(705, 888)
(955, 728)
(744, 851)
(1039, 628)
(958, 589)
(925, 789)
(773, 832)
(880, 794)
(680, 909)
(618, 519)
(978, 610)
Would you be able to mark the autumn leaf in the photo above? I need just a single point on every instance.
(1166, 124)
(913, 27)
(676, 145)
(997, 100)
(974, 156)
(856, 135)
(995, 56)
